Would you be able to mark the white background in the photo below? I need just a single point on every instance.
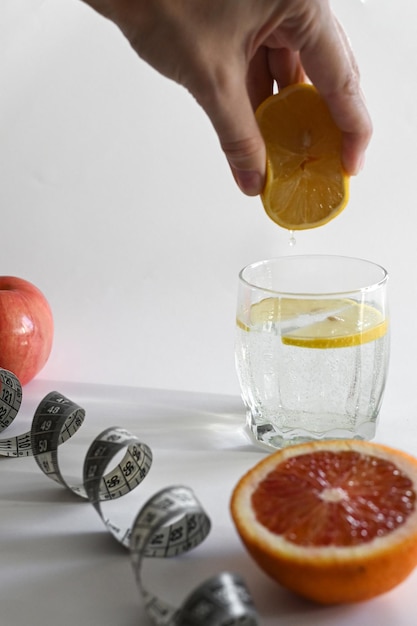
(117, 202)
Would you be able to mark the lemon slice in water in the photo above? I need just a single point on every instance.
(283, 309)
(341, 322)
(353, 325)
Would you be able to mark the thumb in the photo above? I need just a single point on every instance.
(232, 116)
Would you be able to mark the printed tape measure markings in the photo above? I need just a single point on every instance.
(169, 524)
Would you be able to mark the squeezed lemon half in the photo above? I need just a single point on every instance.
(306, 184)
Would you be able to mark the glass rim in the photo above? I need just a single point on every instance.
(311, 294)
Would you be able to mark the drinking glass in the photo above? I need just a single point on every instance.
(312, 347)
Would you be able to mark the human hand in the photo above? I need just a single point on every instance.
(228, 55)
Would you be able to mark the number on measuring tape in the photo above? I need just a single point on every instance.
(54, 409)
(169, 524)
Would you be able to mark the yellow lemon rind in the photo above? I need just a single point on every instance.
(342, 341)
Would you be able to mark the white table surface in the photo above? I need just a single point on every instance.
(59, 565)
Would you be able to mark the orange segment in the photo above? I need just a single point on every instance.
(335, 521)
(306, 185)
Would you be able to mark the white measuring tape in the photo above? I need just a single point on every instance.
(170, 523)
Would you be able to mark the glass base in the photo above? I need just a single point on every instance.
(269, 436)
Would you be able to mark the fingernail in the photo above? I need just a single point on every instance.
(249, 181)
(361, 163)
(358, 166)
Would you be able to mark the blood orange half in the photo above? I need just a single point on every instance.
(334, 521)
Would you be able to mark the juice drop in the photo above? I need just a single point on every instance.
(292, 241)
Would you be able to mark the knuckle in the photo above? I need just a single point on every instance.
(239, 151)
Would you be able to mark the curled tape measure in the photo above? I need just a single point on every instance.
(170, 523)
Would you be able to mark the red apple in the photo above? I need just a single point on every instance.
(26, 328)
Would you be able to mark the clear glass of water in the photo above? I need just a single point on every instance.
(312, 347)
